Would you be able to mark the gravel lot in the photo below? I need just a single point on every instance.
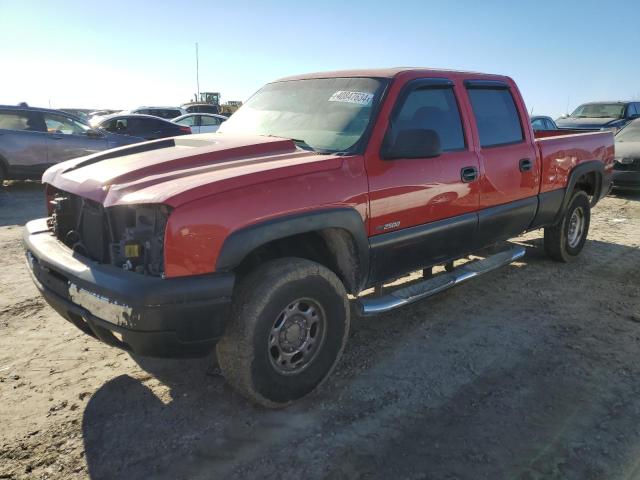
(529, 372)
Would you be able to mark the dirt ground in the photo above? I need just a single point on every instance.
(529, 372)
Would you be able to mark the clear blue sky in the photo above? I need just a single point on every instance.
(122, 54)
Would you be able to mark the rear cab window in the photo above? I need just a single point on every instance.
(496, 114)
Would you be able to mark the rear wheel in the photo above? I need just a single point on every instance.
(289, 326)
(564, 242)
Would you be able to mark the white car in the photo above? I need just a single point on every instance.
(201, 122)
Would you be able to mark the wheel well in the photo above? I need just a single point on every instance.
(588, 183)
(332, 247)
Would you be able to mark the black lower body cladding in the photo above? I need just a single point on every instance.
(178, 317)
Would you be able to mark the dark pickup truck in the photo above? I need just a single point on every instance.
(250, 240)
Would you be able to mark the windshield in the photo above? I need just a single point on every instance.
(324, 114)
(630, 133)
(599, 110)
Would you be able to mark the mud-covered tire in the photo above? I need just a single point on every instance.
(249, 357)
(564, 242)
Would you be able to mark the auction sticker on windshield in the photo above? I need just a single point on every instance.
(359, 98)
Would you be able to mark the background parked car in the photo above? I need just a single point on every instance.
(626, 170)
(161, 112)
(200, 122)
(201, 108)
(145, 126)
(33, 139)
(542, 123)
(97, 116)
(596, 115)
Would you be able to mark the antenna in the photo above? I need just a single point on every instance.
(197, 74)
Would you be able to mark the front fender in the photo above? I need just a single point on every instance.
(242, 242)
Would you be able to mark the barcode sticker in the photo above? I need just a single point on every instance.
(359, 98)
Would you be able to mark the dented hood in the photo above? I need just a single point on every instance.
(177, 170)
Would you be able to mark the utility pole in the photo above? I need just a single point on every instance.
(197, 75)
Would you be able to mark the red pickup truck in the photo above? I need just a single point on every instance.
(250, 240)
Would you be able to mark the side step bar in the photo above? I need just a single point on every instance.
(426, 288)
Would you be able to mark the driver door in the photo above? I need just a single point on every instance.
(424, 210)
(67, 138)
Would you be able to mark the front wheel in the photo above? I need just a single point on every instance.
(289, 327)
(564, 242)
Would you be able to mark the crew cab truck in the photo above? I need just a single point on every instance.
(250, 240)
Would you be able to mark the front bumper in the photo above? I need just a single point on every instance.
(626, 179)
(176, 317)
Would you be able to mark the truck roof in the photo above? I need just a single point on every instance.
(389, 73)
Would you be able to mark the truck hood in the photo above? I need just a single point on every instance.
(570, 122)
(177, 170)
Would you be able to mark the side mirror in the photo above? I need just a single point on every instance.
(413, 143)
(93, 133)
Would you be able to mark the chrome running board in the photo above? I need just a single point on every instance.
(439, 283)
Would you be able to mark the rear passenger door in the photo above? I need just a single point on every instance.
(423, 210)
(23, 144)
(510, 180)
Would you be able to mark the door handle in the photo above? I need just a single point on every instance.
(526, 165)
(57, 137)
(468, 174)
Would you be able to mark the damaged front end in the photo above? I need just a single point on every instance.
(102, 270)
(128, 237)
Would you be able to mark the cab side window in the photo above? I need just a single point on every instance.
(64, 125)
(433, 109)
(496, 116)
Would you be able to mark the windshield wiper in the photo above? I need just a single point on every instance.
(302, 144)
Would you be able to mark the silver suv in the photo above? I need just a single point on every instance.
(33, 139)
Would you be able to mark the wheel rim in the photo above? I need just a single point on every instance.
(576, 227)
(297, 336)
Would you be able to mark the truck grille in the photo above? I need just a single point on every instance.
(81, 224)
(125, 236)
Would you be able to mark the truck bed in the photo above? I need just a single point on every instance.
(562, 150)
